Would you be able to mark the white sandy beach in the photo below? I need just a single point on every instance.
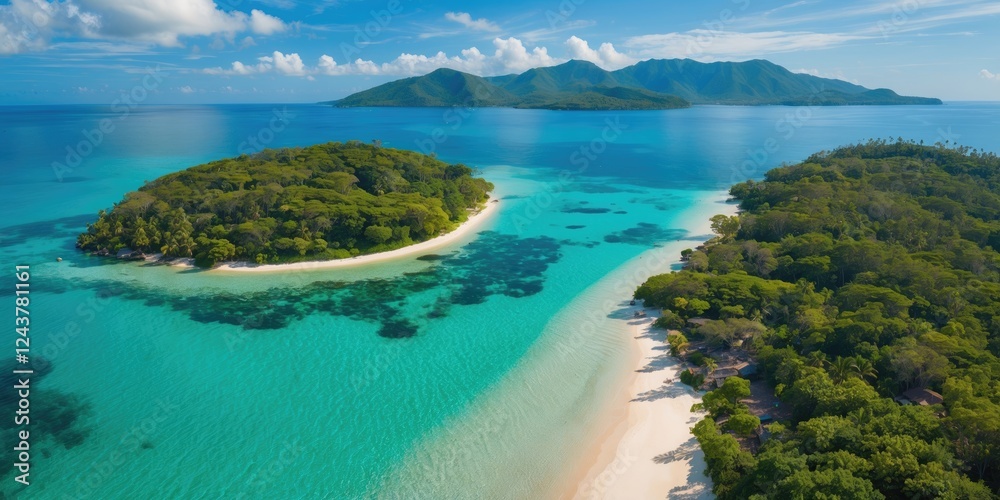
(467, 228)
(647, 450)
(651, 453)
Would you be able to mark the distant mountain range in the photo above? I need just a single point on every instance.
(652, 84)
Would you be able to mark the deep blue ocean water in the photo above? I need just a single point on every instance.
(168, 383)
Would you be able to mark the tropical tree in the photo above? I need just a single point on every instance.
(864, 368)
(816, 359)
(711, 364)
(841, 368)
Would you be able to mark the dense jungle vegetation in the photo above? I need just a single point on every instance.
(852, 277)
(327, 201)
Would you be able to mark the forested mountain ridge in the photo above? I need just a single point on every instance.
(321, 202)
(561, 87)
(650, 84)
(868, 271)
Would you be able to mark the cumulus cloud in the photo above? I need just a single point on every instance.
(327, 65)
(263, 24)
(186, 89)
(162, 21)
(278, 62)
(989, 75)
(509, 56)
(465, 19)
(605, 56)
(713, 45)
(29, 25)
(287, 65)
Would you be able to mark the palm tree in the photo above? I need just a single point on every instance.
(816, 359)
(841, 369)
(863, 368)
(711, 364)
(861, 417)
(678, 344)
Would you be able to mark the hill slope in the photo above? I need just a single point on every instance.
(573, 85)
(443, 87)
(654, 84)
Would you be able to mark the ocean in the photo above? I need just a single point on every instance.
(164, 382)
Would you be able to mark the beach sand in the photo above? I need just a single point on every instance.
(467, 228)
(645, 448)
(651, 452)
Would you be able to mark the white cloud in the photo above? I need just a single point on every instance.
(278, 62)
(241, 69)
(163, 21)
(238, 68)
(605, 56)
(186, 89)
(510, 56)
(29, 25)
(463, 18)
(713, 45)
(327, 65)
(989, 75)
(263, 24)
(287, 65)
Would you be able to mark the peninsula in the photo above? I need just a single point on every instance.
(650, 84)
(848, 320)
(323, 202)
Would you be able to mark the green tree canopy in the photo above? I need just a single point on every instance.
(321, 202)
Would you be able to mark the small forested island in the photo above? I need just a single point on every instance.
(328, 201)
(863, 285)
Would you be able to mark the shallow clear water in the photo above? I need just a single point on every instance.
(170, 383)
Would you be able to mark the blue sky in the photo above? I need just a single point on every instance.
(200, 51)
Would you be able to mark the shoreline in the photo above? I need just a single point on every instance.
(465, 229)
(645, 448)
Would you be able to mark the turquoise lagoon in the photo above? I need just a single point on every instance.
(478, 371)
